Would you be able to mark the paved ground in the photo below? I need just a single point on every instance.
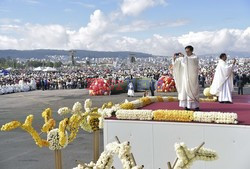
(17, 148)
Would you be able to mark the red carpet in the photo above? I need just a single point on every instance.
(241, 106)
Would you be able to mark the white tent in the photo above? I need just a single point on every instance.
(9, 68)
(38, 69)
(49, 69)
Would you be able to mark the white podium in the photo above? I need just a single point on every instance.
(153, 142)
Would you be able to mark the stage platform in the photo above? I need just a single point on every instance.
(153, 142)
(241, 106)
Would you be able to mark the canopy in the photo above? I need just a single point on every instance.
(49, 69)
(38, 69)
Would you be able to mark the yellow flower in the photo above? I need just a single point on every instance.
(93, 121)
(49, 125)
(104, 105)
(109, 105)
(28, 121)
(73, 126)
(34, 135)
(62, 128)
(127, 106)
(145, 101)
(173, 115)
(10, 126)
(74, 121)
(160, 99)
(47, 114)
(172, 99)
(208, 100)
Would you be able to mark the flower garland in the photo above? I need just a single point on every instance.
(208, 99)
(170, 99)
(127, 106)
(160, 99)
(135, 114)
(145, 101)
(216, 117)
(173, 115)
(187, 156)
(137, 103)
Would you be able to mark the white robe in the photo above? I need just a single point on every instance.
(222, 85)
(131, 91)
(185, 71)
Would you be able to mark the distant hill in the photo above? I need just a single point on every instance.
(43, 53)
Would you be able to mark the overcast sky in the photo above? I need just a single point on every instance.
(160, 27)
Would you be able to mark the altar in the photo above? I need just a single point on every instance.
(153, 142)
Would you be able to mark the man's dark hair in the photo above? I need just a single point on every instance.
(222, 55)
(191, 48)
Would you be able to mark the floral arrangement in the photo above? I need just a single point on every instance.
(173, 115)
(26, 126)
(85, 117)
(216, 117)
(105, 161)
(186, 157)
(134, 114)
(99, 87)
(166, 84)
(57, 138)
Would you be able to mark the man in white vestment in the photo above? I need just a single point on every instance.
(185, 72)
(222, 85)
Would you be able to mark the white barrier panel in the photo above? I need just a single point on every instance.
(153, 142)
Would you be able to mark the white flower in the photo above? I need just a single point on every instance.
(134, 114)
(106, 113)
(63, 111)
(154, 99)
(77, 108)
(137, 103)
(101, 122)
(216, 117)
(53, 139)
(88, 105)
(186, 156)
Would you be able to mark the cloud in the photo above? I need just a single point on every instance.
(135, 7)
(104, 34)
(142, 25)
(9, 21)
(32, 1)
(83, 4)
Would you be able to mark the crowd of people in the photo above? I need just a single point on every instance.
(79, 78)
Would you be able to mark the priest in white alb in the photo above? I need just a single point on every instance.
(222, 85)
(185, 72)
